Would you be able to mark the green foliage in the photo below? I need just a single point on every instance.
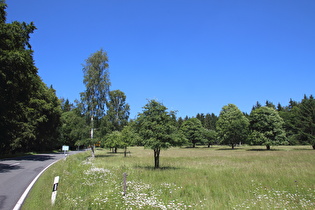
(66, 106)
(232, 126)
(121, 139)
(289, 118)
(267, 127)
(118, 110)
(208, 121)
(305, 120)
(74, 129)
(97, 83)
(94, 99)
(210, 137)
(193, 131)
(156, 126)
(157, 129)
(113, 140)
(29, 111)
(129, 137)
(44, 116)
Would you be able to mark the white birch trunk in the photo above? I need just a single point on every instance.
(92, 134)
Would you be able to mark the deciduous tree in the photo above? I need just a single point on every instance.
(210, 136)
(157, 129)
(97, 83)
(129, 137)
(118, 110)
(266, 127)
(193, 131)
(113, 140)
(232, 125)
(74, 128)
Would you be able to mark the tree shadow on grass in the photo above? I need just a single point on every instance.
(151, 168)
(297, 149)
(235, 148)
(106, 155)
(280, 149)
(263, 150)
(197, 147)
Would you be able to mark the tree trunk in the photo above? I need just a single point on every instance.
(115, 150)
(313, 146)
(92, 135)
(92, 151)
(125, 153)
(157, 158)
(209, 145)
(268, 147)
(232, 146)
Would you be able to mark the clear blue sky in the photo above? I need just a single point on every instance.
(195, 56)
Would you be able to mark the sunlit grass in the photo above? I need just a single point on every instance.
(189, 178)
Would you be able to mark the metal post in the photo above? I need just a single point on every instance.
(125, 183)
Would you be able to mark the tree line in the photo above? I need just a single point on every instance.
(266, 125)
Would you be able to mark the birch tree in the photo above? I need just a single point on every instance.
(97, 83)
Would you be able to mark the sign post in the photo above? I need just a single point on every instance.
(54, 191)
(65, 149)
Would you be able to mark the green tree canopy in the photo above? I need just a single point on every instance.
(232, 126)
(266, 127)
(210, 136)
(29, 110)
(305, 120)
(157, 129)
(113, 140)
(118, 110)
(193, 131)
(210, 121)
(74, 129)
(95, 97)
(129, 137)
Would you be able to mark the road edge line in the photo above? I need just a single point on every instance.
(22, 198)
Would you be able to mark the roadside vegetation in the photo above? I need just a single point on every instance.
(189, 178)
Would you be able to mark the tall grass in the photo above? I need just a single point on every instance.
(190, 178)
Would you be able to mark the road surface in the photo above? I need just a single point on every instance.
(17, 173)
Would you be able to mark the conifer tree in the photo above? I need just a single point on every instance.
(305, 120)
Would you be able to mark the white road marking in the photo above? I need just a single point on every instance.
(14, 164)
(21, 200)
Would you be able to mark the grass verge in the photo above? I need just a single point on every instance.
(190, 178)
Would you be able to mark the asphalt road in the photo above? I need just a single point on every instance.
(17, 173)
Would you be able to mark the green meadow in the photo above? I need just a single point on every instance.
(189, 178)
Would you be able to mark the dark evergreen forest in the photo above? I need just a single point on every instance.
(29, 110)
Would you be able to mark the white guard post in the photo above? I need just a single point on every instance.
(54, 191)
